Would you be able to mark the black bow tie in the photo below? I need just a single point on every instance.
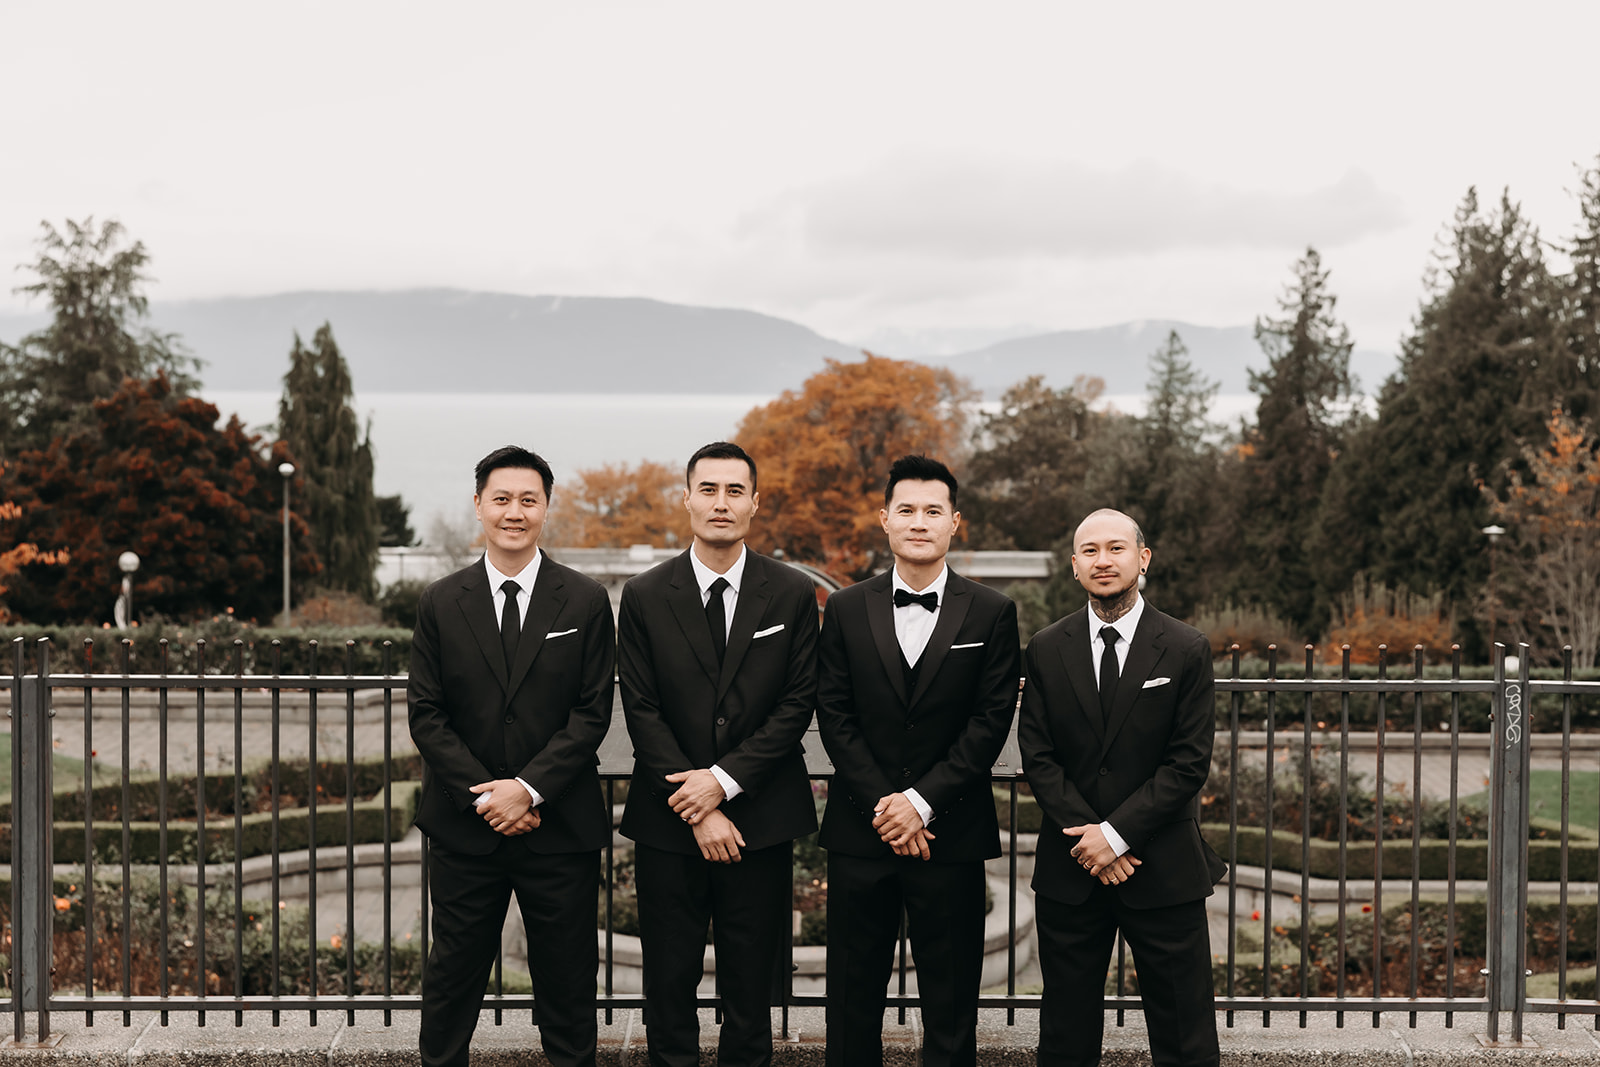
(904, 598)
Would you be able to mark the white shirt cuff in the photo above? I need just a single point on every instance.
(730, 788)
(534, 794)
(924, 809)
(1114, 839)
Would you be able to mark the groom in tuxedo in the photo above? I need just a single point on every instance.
(1116, 732)
(509, 697)
(716, 656)
(917, 686)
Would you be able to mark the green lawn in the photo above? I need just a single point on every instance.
(68, 772)
(1544, 796)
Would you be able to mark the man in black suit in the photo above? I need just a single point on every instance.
(716, 655)
(1116, 732)
(510, 696)
(917, 684)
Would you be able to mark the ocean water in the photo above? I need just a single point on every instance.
(427, 443)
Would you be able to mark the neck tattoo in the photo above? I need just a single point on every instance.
(1112, 608)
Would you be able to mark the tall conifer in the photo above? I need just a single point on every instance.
(316, 420)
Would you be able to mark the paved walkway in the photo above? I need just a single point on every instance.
(1247, 1043)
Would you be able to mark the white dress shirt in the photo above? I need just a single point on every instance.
(704, 576)
(524, 579)
(913, 626)
(1125, 628)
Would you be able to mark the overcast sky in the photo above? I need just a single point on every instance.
(857, 167)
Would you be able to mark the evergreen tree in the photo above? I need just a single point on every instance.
(1479, 373)
(1175, 487)
(94, 341)
(324, 438)
(1288, 453)
(394, 522)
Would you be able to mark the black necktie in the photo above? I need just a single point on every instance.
(1109, 672)
(717, 618)
(904, 598)
(510, 623)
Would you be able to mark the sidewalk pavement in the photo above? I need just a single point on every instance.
(183, 1043)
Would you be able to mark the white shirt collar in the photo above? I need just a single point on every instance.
(1125, 626)
(704, 575)
(935, 586)
(524, 578)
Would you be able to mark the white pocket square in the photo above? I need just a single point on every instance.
(975, 644)
(560, 633)
(768, 632)
(1152, 683)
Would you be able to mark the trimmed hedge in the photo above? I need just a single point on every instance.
(1399, 711)
(1472, 857)
(294, 828)
(144, 794)
(254, 650)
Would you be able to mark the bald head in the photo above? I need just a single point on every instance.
(1108, 521)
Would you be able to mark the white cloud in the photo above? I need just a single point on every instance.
(994, 208)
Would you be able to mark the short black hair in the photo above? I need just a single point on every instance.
(719, 450)
(919, 469)
(518, 457)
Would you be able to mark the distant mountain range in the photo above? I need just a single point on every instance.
(445, 340)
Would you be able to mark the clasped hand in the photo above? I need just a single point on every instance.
(509, 809)
(900, 827)
(699, 795)
(1095, 855)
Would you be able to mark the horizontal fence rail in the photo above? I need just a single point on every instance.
(1381, 858)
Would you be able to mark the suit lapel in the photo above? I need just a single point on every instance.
(544, 604)
(1144, 652)
(684, 598)
(749, 607)
(1080, 670)
(952, 613)
(880, 620)
(477, 608)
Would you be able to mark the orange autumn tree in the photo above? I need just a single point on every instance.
(1553, 513)
(823, 454)
(18, 554)
(617, 505)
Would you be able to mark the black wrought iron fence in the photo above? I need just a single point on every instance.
(1381, 858)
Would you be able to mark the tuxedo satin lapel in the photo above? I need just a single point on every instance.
(1080, 671)
(544, 605)
(691, 614)
(748, 609)
(957, 601)
(477, 608)
(880, 620)
(1149, 641)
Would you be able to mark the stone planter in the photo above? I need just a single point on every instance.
(810, 960)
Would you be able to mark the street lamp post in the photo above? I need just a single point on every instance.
(1494, 533)
(129, 563)
(287, 470)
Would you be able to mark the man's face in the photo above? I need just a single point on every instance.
(920, 521)
(512, 510)
(720, 501)
(1106, 556)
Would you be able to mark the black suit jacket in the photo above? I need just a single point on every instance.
(748, 717)
(475, 718)
(1142, 771)
(941, 739)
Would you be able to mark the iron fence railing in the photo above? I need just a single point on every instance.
(148, 907)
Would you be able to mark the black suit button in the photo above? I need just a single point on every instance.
(510, 719)
(721, 721)
(1104, 771)
(905, 772)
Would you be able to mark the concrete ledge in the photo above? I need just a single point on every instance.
(1250, 1042)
